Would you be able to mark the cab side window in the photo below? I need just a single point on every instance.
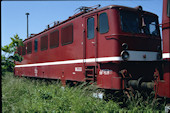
(103, 23)
(90, 28)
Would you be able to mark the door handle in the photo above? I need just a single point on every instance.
(93, 43)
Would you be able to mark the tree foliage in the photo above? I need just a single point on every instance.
(10, 55)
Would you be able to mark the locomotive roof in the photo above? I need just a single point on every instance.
(83, 13)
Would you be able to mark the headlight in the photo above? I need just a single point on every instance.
(124, 46)
(124, 55)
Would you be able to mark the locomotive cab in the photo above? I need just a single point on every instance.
(133, 45)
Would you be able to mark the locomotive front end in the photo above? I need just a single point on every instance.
(140, 44)
(139, 47)
(132, 47)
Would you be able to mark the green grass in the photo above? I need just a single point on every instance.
(39, 96)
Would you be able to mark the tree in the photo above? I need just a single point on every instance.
(10, 55)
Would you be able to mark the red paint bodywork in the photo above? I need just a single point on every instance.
(102, 46)
(164, 85)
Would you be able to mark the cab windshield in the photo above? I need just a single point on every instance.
(134, 23)
(129, 21)
(150, 25)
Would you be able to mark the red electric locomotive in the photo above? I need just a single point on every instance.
(164, 84)
(115, 46)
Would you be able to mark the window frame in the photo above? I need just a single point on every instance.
(63, 44)
(51, 47)
(25, 49)
(42, 49)
(129, 29)
(168, 8)
(36, 46)
(107, 23)
(156, 24)
(93, 28)
(29, 52)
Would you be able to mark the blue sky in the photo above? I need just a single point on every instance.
(42, 13)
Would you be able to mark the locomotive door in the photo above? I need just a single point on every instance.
(90, 39)
(90, 47)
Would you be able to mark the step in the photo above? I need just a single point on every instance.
(90, 79)
(89, 69)
(89, 75)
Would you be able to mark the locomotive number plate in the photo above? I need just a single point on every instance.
(78, 68)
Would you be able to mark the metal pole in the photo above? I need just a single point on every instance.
(27, 23)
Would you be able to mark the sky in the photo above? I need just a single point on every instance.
(42, 13)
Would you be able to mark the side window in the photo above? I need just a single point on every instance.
(44, 42)
(29, 47)
(90, 28)
(19, 50)
(54, 39)
(103, 23)
(24, 49)
(67, 35)
(168, 8)
(36, 45)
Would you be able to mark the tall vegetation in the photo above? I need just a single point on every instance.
(39, 96)
(10, 56)
(20, 95)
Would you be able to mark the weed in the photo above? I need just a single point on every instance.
(41, 96)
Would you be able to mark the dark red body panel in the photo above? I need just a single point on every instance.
(164, 85)
(165, 28)
(100, 55)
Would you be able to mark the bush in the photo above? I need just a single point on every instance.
(8, 59)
